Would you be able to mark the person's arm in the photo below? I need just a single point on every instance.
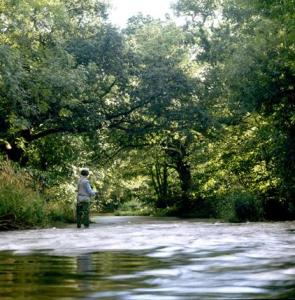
(89, 189)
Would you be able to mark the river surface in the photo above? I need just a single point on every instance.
(139, 258)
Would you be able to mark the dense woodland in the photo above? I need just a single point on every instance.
(191, 116)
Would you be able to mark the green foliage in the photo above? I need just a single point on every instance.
(239, 206)
(61, 211)
(133, 208)
(60, 204)
(52, 81)
(138, 208)
(194, 120)
(249, 75)
(123, 179)
(20, 205)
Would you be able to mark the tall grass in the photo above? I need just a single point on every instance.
(20, 205)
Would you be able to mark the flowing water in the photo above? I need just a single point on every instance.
(138, 258)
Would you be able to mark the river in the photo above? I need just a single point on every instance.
(142, 258)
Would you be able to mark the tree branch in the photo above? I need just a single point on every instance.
(108, 90)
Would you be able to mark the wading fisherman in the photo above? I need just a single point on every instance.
(85, 192)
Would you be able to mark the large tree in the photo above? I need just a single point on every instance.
(246, 48)
(61, 69)
(163, 78)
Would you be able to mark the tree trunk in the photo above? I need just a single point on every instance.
(160, 182)
(178, 154)
(185, 177)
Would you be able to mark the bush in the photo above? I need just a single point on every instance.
(247, 207)
(20, 205)
(61, 203)
(133, 208)
(61, 211)
(240, 206)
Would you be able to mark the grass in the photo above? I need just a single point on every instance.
(20, 205)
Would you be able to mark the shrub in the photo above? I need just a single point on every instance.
(240, 206)
(20, 205)
(61, 211)
(61, 203)
(247, 207)
(133, 208)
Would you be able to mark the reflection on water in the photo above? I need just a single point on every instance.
(39, 276)
(175, 260)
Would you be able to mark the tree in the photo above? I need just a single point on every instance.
(247, 54)
(163, 80)
(263, 63)
(50, 84)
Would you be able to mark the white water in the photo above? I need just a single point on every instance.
(166, 236)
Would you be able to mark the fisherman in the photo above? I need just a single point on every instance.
(85, 192)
